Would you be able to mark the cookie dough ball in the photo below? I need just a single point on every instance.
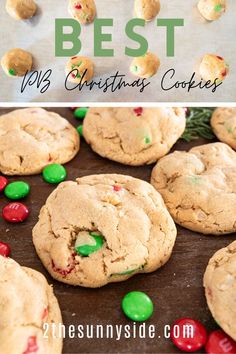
(223, 123)
(83, 11)
(146, 9)
(17, 62)
(133, 136)
(80, 68)
(21, 9)
(220, 288)
(26, 303)
(102, 229)
(211, 9)
(213, 67)
(199, 187)
(145, 66)
(33, 138)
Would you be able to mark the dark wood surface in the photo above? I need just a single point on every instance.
(176, 289)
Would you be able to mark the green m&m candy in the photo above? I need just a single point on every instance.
(88, 242)
(81, 112)
(80, 130)
(137, 306)
(54, 173)
(17, 190)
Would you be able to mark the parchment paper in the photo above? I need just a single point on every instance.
(195, 39)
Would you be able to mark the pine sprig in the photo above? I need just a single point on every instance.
(198, 124)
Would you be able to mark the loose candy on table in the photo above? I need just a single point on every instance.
(81, 112)
(5, 249)
(17, 190)
(54, 173)
(15, 212)
(220, 343)
(80, 130)
(3, 183)
(88, 243)
(137, 306)
(188, 334)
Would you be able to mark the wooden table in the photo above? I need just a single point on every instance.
(176, 289)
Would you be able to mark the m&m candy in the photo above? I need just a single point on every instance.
(81, 112)
(3, 183)
(219, 342)
(88, 243)
(15, 212)
(5, 249)
(80, 130)
(137, 306)
(17, 190)
(54, 173)
(188, 334)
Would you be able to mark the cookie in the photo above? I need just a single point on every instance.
(83, 11)
(32, 138)
(103, 228)
(146, 9)
(133, 136)
(21, 9)
(220, 288)
(145, 66)
(211, 10)
(17, 62)
(213, 68)
(26, 303)
(223, 122)
(79, 69)
(199, 187)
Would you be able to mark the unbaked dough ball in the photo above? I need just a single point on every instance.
(81, 69)
(83, 11)
(213, 67)
(17, 62)
(211, 9)
(145, 66)
(21, 9)
(146, 9)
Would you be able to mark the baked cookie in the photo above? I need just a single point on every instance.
(213, 68)
(211, 10)
(17, 62)
(146, 9)
(79, 69)
(26, 303)
(21, 9)
(145, 66)
(220, 288)
(103, 228)
(133, 136)
(223, 123)
(32, 138)
(83, 11)
(199, 187)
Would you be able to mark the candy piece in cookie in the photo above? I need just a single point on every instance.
(220, 288)
(213, 68)
(103, 228)
(79, 69)
(211, 10)
(26, 303)
(193, 185)
(223, 122)
(145, 66)
(21, 9)
(146, 9)
(133, 136)
(17, 62)
(83, 11)
(33, 138)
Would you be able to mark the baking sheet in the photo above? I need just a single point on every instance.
(197, 38)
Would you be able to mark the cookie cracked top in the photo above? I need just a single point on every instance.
(26, 303)
(223, 123)
(220, 288)
(32, 138)
(133, 136)
(103, 228)
(199, 187)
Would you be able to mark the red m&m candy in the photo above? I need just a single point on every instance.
(5, 249)
(3, 183)
(32, 346)
(188, 334)
(220, 343)
(15, 212)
